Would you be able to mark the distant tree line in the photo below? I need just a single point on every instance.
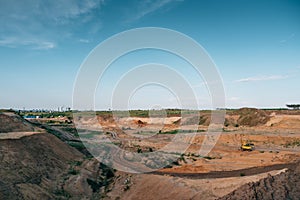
(293, 106)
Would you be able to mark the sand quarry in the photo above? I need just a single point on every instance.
(275, 134)
(219, 174)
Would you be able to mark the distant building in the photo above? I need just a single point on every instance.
(31, 117)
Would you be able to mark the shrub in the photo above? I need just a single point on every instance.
(139, 150)
(94, 185)
(72, 171)
(208, 157)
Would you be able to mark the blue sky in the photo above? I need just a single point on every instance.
(254, 44)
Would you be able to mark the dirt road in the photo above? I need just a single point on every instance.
(226, 174)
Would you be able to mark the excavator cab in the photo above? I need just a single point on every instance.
(247, 146)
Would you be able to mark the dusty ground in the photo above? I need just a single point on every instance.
(11, 122)
(144, 186)
(276, 137)
(282, 186)
(275, 134)
(38, 165)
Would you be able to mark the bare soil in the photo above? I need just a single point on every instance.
(282, 186)
(11, 122)
(42, 166)
(38, 165)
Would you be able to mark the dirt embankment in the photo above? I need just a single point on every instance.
(41, 166)
(283, 186)
(149, 186)
(245, 117)
(32, 164)
(10, 122)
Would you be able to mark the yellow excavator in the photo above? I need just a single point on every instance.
(246, 145)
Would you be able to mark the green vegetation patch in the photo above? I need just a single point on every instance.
(294, 143)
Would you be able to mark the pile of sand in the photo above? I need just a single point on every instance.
(252, 117)
(283, 186)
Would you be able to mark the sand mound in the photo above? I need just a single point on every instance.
(283, 186)
(29, 162)
(285, 121)
(40, 166)
(242, 117)
(252, 117)
(10, 122)
(203, 119)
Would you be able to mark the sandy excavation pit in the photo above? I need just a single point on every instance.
(275, 159)
(275, 142)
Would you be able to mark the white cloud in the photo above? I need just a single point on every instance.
(59, 11)
(288, 38)
(34, 23)
(9, 42)
(262, 78)
(31, 44)
(84, 40)
(149, 6)
(43, 45)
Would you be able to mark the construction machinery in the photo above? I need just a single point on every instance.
(246, 145)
